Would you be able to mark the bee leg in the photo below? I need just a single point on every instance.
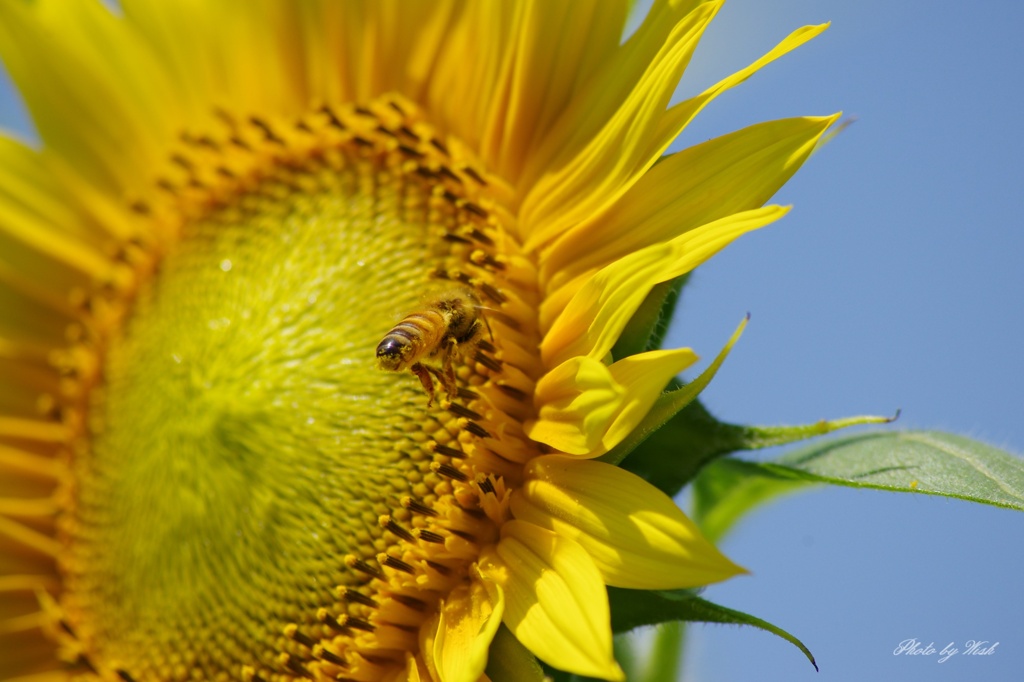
(428, 384)
(447, 374)
(448, 381)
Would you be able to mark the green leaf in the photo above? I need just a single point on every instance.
(727, 489)
(633, 608)
(920, 462)
(927, 462)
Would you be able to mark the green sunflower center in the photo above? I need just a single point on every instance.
(252, 472)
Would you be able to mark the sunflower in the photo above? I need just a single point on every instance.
(240, 217)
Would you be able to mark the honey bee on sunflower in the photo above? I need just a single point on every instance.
(446, 326)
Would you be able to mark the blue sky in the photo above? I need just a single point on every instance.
(894, 283)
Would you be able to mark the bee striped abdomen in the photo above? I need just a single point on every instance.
(410, 340)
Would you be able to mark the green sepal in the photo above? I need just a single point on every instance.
(556, 675)
(676, 419)
(672, 455)
(647, 328)
(633, 608)
(509, 661)
(663, 663)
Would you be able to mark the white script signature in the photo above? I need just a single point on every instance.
(972, 647)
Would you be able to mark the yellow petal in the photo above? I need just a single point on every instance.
(472, 69)
(599, 96)
(635, 533)
(551, 64)
(429, 632)
(586, 407)
(671, 402)
(326, 51)
(412, 669)
(644, 377)
(676, 118)
(259, 49)
(576, 400)
(735, 172)
(181, 33)
(596, 166)
(470, 615)
(591, 321)
(39, 232)
(77, 57)
(555, 601)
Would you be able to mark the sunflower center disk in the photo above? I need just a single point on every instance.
(259, 498)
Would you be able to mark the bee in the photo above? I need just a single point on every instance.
(442, 329)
